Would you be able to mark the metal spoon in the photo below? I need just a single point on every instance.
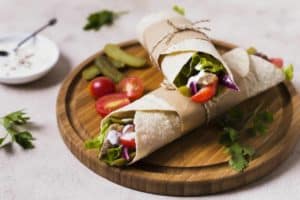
(50, 23)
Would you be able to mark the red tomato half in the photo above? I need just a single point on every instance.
(101, 86)
(133, 87)
(205, 93)
(129, 143)
(111, 102)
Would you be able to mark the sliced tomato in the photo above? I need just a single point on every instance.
(101, 86)
(205, 93)
(128, 142)
(111, 102)
(133, 87)
(278, 62)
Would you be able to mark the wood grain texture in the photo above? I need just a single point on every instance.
(193, 165)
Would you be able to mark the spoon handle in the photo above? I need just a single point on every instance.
(50, 23)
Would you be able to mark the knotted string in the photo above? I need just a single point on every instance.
(181, 28)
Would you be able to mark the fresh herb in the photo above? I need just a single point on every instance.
(234, 124)
(289, 72)
(13, 124)
(180, 10)
(240, 156)
(104, 17)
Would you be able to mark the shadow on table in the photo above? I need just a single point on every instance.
(54, 77)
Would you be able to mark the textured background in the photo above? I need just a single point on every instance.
(50, 171)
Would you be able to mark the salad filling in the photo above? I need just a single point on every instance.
(117, 138)
(201, 77)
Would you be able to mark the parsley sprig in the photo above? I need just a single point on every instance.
(13, 124)
(100, 18)
(235, 125)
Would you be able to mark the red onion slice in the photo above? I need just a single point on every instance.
(125, 153)
(228, 82)
(193, 87)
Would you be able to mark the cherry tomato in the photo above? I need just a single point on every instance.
(111, 102)
(278, 62)
(133, 87)
(205, 93)
(127, 142)
(101, 86)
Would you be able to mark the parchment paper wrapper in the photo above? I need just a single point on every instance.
(171, 40)
(164, 115)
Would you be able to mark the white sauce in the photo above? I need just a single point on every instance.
(30, 58)
(129, 136)
(113, 137)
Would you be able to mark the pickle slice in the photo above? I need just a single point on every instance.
(108, 70)
(91, 72)
(115, 52)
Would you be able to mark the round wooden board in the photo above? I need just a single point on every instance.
(195, 164)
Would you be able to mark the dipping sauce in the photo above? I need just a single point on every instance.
(35, 56)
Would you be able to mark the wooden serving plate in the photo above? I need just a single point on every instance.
(195, 164)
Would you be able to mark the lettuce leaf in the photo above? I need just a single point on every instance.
(97, 142)
(112, 155)
(289, 72)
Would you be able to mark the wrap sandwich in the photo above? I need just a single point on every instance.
(134, 131)
(185, 55)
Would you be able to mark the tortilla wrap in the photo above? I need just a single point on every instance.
(171, 40)
(165, 115)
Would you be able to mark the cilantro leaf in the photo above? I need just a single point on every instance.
(103, 17)
(255, 123)
(228, 136)
(13, 125)
(2, 140)
(240, 156)
(180, 10)
(24, 139)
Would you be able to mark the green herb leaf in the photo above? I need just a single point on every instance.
(24, 139)
(13, 124)
(228, 136)
(240, 156)
(180, 10)
(103, 17)
(289, 72)
(2, 140)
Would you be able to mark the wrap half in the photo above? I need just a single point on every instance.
(173, 41)
(165, 115)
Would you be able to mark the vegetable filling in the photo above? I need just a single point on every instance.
(202, 77)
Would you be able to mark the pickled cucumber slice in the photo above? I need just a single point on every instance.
(116, 53)
(107, 69)
(90, 72)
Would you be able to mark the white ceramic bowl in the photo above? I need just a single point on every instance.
(47, 50)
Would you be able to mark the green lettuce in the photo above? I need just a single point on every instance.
(97, 142)
(289, 72)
